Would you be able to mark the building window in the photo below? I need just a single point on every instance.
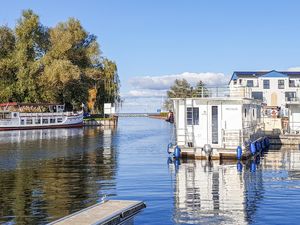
(280, 84)
(52, 120)
(234, 82)
(22, 122)
(257, 95)
(245, 111)
(290, 96)
(266, 84)
(45, 121)
(192, 116)
(292, 83)
(59, 120)
(250, 83)
(240, 81)
(253, 113)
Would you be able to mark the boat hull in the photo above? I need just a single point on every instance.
(42, 127)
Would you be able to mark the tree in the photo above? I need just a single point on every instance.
(59, 65)
(200, 90)
(180, 89)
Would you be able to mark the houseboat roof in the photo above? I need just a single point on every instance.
(272, 73)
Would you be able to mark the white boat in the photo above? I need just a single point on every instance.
(221, 120)
(14, 117)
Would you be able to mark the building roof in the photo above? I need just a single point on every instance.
(272, 73)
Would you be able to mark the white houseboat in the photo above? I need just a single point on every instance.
(219, 121)
(23, 116)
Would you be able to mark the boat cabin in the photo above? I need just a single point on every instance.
(221, 122)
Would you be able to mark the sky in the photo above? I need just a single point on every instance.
(156, 41)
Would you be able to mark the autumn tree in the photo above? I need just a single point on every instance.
(61, 64)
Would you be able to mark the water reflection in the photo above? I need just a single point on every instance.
(255, 191)
(47, 174)
(212, 192)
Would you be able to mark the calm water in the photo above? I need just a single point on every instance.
(47, 174)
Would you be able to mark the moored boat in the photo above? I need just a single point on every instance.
(24, 116)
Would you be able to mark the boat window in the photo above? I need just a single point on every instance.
(192, 115)
(59, 120)
(45, 121)
(52, 120)
(29, 121)
(6, 115)
(37, 121)
(22, 122)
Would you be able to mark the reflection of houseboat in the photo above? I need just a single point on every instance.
(219, 120)
(18, 116)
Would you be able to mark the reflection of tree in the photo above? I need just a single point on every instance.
(44, 190)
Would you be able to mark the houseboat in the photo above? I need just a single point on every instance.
(24, 116)
(222, 123)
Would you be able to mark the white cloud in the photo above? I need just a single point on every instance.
(297, 68)
(146, 93)
(165, 81)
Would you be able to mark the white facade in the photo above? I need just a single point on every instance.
(273, 88)
(220, 122)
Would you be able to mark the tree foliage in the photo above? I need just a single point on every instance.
(182, 89)
(59, 64)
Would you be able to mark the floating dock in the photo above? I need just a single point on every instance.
(107, 213)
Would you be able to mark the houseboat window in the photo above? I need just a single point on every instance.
(245, 111)
(234, 82)
(266, 84)
(28, 121)
(22, 122)
(45, 121)
(52, 120)
(257, 95)
(37, 121)
(290, 96)
(192, 115)
(292, 83)
(250, 83)
(59, 120)
(240, 80)
(280, 84)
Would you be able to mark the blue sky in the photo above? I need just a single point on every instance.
(154, 42)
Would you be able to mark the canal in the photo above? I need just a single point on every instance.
(47, 174)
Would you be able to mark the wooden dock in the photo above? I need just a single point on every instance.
(110, 212)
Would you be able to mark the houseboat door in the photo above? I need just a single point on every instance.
(215, 125)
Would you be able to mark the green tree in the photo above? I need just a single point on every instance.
(28, 49)
(200, 90)
(180, 89)
(59, 64)
(7, 64)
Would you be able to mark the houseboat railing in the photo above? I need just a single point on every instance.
(212, 92)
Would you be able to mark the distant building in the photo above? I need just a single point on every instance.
(272, 87)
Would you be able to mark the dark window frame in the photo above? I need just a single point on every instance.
(280, 84)
(192, 115)
(250, 83)
(266, 84)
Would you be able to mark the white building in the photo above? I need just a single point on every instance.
(272, 87)
(278, 90)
